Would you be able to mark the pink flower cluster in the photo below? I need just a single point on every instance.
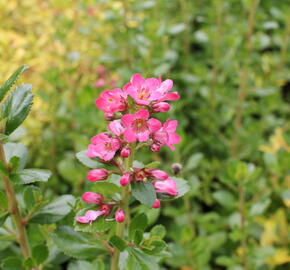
(129, 111)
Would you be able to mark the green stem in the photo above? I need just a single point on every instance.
(125, 205)
(14, 209)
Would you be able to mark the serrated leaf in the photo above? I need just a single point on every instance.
(146, 261)
(16, 150)
(118, 242)
(76, 244)
(40, 253)
(144, 193)
(54, 211)
(28, 176)
(106, 188)
(88, 162)
(10, 81)
(139, 222)
(16, 107)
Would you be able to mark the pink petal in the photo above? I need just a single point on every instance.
(167, 85)
(137, 80)
(127, 119)
(174, 138)
(141, 102)
(151, 84)
(143, 136)
(171, 96)
(170, 126)
(82, 219)
(116, 128)
(154, 124)
(108, 155)
(129, 135)
(93, 215)
(143, 114)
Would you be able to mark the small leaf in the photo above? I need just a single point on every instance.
(75, 244)
(153, 164)
(106, 188)
(88, 162)
(16, 150)
(40, 253)
(12, 263)
(54, 211)
(144, 193)
(158, 232)
(146, 261)
(3, 201)
(260, 207)
(3, 217)
(138, 237)
(225, 198)
(28, 176)
(139, 222)
(118, 242)
(31, 195)
(16, 107)
(11, 80)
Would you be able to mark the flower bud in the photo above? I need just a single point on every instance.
(155, 147)
(176, 168)
(91, 197)
(120, 215)
(161, 107)
(158, 174)
(97, 175)
(106, 209)
(109, 116)
(156, 204)
(125, 152)
(125, 179)
(166, 186)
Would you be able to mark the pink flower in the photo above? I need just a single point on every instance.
(109, 116)
(106, 209)
(99, 83)
(91, 197)
(161, 107)
(156, 204)
(158, 174)
(166, 186)
(166, 135)
(120, 215)
(138, 127)
(125, 152)
(155, 147)
(103, 146)
(146, 91)
(112, 101)
(116, 128)
(97, 175)
(125, 179)
(90, 216)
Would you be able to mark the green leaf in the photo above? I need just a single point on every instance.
(3, 217)
(144, 193)
(31, 195)
(16, 107)
(75, 244)
(138, 237)
(156, 247)
(88, 162)
(28, 176)
(11, 80)
(16, 150)
(3, 201)
(139, 222)
(12, 263)
(153, 164)
(40, 253)
(3, 168)
(54, 211)
(260, 207)
(106, 188)
(146, 261)
(225, 198)
(158, 232)
(193, 161)
(118, 242)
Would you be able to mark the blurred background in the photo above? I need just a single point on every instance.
(230, 63)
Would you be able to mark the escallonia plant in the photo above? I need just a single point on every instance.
(118, 182)
(25, 211)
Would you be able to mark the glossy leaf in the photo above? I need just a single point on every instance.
(28, 176)
(144, 193)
